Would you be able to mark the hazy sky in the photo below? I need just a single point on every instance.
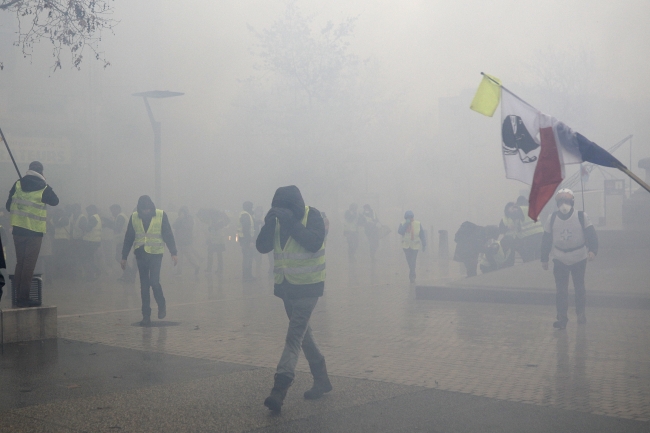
(422, 50)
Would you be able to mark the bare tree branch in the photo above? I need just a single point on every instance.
(70, 25)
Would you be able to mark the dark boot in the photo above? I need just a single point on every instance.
(278, 393)
(321, 381)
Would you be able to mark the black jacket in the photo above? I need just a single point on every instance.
(32, 183)
(310, 237)
(166, 231)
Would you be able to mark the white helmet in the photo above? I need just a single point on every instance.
(565, 195)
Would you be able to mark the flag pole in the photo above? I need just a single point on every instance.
(582, 186)
(506, 89)
(634, 177)
(10, 154)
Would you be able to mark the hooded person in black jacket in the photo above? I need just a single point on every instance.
(149, 263)
(288, 210)
(27, 241)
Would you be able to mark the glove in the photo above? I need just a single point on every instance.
(270, 216)
(285, 216)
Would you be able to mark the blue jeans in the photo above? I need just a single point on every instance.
(298, 336)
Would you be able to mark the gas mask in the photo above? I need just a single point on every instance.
(565, 208)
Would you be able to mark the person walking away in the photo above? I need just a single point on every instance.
(245, 235)
(571, 238)
(90, 242)
(296, 235)
(148, 232)
(27, 203)
(413, 239)
(351, 231)
(371, 227)
(118, 223)
(495, 255)
(184, 235)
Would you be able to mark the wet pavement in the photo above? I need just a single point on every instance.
(397, 363)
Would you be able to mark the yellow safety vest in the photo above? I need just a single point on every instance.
(351, 226)
(412, 239)
(152, 238)
(240, 229)
(28, 210)
(529, 227)
(77, 233)
(124, 227)
(499, 258)
(63, 232)
(94, 235)
(294, 263)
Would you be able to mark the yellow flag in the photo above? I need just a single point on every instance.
(487, 96)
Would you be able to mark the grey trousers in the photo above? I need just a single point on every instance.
(298, 336)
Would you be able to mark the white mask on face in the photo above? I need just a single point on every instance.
(565, 208)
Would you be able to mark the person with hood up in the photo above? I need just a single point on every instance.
(27, 203)
(148, 233)
(413, 239)
(296, 235)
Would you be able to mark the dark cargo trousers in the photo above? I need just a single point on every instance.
(561, 273)
(27, 250)
(149, 267)
(299, 336)
(411, 259)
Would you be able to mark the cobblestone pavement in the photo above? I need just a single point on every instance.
(370, 326)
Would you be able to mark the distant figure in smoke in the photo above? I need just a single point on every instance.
(184, 235)
(469, 239)
(258, 221)
(571, 237)
(27, 203)
(371, 226)
(118, 223)
(296, 235)
(90, 242)
(148, 233)
(351, 231)
(217, 221)
(413, 239)
(62, 222)
(495, 255)
(245, 236)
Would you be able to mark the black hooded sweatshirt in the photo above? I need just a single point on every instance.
(310, 237)
(31, 183)
(144, 202)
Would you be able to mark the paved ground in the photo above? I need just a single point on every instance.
(398, 364)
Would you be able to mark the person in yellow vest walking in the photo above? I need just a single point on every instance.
(148, 233)
(27, 204)
(413, 239)
(296, 235)
(245, 236)
(91, 226)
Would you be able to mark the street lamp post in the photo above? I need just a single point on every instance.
(156, 126)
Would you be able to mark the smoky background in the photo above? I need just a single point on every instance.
(352, 101)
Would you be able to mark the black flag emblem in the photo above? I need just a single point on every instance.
(517, 140)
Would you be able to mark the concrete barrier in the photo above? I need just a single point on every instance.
(28, 324)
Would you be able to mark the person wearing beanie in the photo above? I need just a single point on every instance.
(296, 235)
(413, 239)
(245, 236)
(148, 232)
(27, 203)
